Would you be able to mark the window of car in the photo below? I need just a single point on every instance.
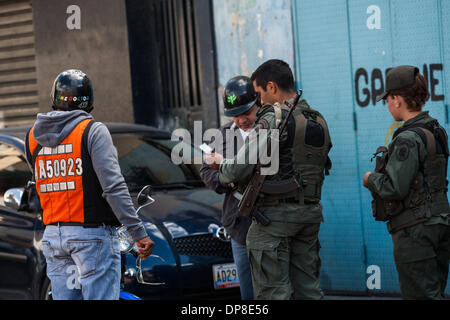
(144, 161)
(14, 170)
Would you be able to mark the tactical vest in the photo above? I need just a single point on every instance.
(67, 185)
(428, 191)
(303, 156)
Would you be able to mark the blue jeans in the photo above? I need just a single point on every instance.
(240, 257)
(82, 263)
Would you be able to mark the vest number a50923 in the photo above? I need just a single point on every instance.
(48, 169)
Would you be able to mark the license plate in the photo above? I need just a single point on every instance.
(225, 276)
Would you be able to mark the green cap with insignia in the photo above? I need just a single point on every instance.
(400, 77)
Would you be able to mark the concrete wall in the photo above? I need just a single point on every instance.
(249, 32)
(99, 48)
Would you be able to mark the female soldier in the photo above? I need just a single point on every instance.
(409, 187)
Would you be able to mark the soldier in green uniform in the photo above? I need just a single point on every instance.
(284, 255)
(409, 188)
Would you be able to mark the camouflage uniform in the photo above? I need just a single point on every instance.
(284, 255)
(421, 242)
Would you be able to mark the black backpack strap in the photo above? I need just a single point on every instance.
(435, 129)
(442, 139)
(415, 128)
(430, 143)
(421, 133)
(290, 128)
(433, 137)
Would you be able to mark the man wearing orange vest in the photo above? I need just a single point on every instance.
(82, 193)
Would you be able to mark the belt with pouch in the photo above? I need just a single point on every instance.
(270, 203)
(274, 193)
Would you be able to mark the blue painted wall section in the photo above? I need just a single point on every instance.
(323, 69)
(343, 48)
(248, 33)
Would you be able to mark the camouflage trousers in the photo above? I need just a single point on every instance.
(421, 255)
(285, 261)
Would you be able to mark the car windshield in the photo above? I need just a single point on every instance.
(144, 161)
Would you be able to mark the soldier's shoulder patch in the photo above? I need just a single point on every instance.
(403, 148)
(402, 152)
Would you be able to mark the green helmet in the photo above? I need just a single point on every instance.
(239, 96)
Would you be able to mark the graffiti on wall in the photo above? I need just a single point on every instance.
(369, 85)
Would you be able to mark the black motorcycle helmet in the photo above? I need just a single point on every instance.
(239, 96)
(72, 90)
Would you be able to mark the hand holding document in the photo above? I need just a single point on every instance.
(205, 148)
(213, 160)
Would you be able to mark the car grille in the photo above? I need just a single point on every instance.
(203, 245)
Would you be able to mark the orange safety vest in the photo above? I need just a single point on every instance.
(66, 182)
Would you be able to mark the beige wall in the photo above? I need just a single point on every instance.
(100, 49)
